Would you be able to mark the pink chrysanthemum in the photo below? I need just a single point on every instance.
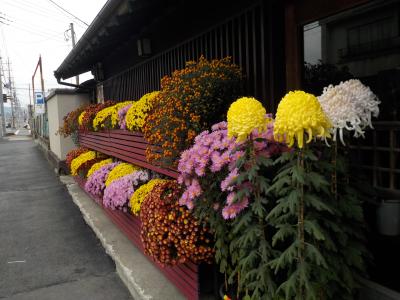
(231, 211)
(95, 184)
(118, 192)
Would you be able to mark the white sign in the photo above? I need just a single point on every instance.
(39, 103)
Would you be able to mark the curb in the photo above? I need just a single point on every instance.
(140, 276)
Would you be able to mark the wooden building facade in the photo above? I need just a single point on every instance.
(280, 46)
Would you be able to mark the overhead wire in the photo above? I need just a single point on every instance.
(51, 34)
(32, 10)
(48, 36)
(48, 9)
(55, 13)
(58, 11)
(54, 41)
(44, 32)
(4, 40)
(54, 10)
(68, 12)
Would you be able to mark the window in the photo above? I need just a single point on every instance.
(369, 37)
(364, 43)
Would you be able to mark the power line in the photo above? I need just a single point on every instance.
(37, 33)
(49, 33)
(33, 11)
(38, 11)
(4, 40)
(54, 10)
(68, 12)
(49, 10)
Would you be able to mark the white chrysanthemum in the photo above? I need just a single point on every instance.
(349, 105)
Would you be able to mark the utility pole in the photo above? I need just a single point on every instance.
(73, 46)
(38, 66)
(41, 73)
(11, 95)
(3, 119)
(30, 110)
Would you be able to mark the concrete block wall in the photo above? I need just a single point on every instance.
(59, 103)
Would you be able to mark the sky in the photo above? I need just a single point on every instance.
(38, 27)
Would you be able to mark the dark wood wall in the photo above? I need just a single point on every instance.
(253, 37)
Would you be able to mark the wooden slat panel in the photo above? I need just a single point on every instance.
(124, 145)
(99, 133)
(124, 148)
(123, 132)
(95, 146)
(136, 142)
(97, 140)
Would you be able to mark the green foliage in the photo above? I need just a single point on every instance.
(207, 213)
(251, 244)
(319, 230)
(299, 214)
(299, 238)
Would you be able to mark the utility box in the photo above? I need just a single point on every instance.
(59, 103)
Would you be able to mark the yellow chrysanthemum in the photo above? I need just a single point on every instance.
(299, 113)
(120, 171)
(109, 113)
(80, 118)
(80, 160)
(114, 113)
(140, 194)
(245, 115)
(137, 113)
(101, 116)
(98, 165)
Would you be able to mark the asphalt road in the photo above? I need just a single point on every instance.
(46, 249)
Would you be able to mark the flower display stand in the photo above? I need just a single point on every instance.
(125, 145)
(130, 147)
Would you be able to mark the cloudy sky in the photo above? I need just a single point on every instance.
(29, 28)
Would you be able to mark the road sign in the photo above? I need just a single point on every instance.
(39, 98)
(39, 103)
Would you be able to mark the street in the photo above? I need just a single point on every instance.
(46, 249)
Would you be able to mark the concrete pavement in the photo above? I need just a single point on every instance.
(46, 249)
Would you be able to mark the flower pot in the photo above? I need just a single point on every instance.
(388, 217)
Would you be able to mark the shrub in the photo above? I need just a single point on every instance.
(98, 165)
(170, 233)
(85, 119)
(141, 193)
(74, 154)
(119, 171)
(190, 101)
(84, 161)
(107, 118)
(118, 192)
(96, 183)
(70, 124)
(137, 113)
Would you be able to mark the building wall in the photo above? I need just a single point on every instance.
(174, 25)
(375, 46)
(246, 36)
(363, 42)
(58, 106)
